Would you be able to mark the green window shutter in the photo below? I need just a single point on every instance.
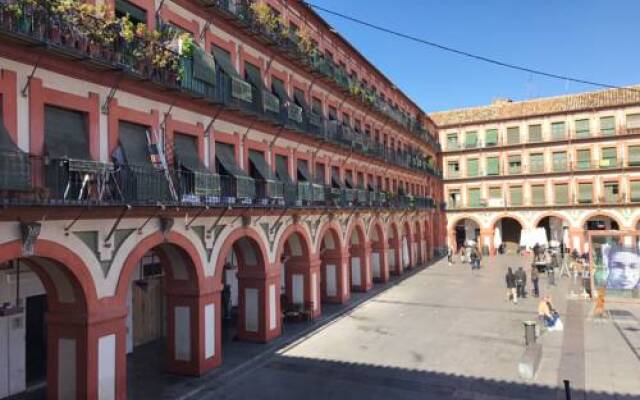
(536, 163)
(611, 190)
(515, 195)
(561, 193)
(537, 195)
(559, 161)
(634, 156)
(633, 121)
(471, 140)
(583, 159)
(535, 133)
(609, 158)
(493, 166)
(452, 141)
(585, 193)
(558, 130)
(474, 197)
(515, 164)
(607, 125)
(582, 128)
(453, 169)
(495, 192)
(635, 191)
(472, 167)
(513, 135)
(491, 137)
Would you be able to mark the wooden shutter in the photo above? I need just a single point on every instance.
(585, 192)
(513, 135)
(536, 163)
(515, 164)
(584, 159)
(609, 157)
(452, 141)
(582, 128)
(560, 161)
(471, 139)
(495, 192)
(491, 137)
(634, 155)
(537, 195)
(493, 166)
(472, 167)
(611, 192)
(633, 121)
(515, 195)
(474, 197)
(535, 133)
(561, 193)
(607, 125)
(635, 191)
(558, 130)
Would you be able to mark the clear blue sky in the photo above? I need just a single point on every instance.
(590, 39)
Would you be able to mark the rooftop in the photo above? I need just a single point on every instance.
(506, 109)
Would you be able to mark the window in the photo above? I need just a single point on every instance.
(454, 199)
(472, 167)
(136, 14)
(607, 125)
(609, 157)
(515, 164)
(453, 169)
(316, 106)
(471, 140)
(633, 121)
(558, 130)
(493, 166)
(495, 192)
(452, 141)
(474, 197)
(536, 163)
(535, 133)
(559, 161)
(538, 197)
(515, 195)
(320, 173)
(635, 191)
(583, 159)
(634, 156)
(513, 135)
(582, 128)
(491, 137)
(585, 193)
(611, 192)
(561, 193)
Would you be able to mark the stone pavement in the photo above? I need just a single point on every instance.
(448, 333)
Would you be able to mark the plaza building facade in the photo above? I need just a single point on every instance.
(174, 169)
(568, 164)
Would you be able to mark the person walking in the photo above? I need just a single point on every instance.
(534, 280)
(551, 274)
(510, 280)
(521, 281)
(463, 258)
(450, 256)
(473, 256)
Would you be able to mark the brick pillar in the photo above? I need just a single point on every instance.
(486, 240)
(303, 282)
(259, 306)
(193, 332)
(379, 263)
(360, 267)
(335, 276)
(86, 356)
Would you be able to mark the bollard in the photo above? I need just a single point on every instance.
(529, 332)
(567, 390)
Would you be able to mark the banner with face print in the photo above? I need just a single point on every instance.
(616, 265)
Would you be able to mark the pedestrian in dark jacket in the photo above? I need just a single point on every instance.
(510, 279)
(534, 280)
(521, 281)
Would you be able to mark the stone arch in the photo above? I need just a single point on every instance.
(454, 221)
(394, 255)
(76, 319)
(604, 213)
(334, 259)
(518, 218)
(418, 239)
(299, 272)
(336, 235)
(257, 282)
(379, 250)
(359, 250)
(545, 214)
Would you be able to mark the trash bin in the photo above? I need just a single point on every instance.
(529, 332)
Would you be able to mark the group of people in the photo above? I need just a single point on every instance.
(470, 254)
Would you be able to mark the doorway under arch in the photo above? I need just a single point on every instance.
(510, 231)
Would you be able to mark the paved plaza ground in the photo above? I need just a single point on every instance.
(448, 333)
